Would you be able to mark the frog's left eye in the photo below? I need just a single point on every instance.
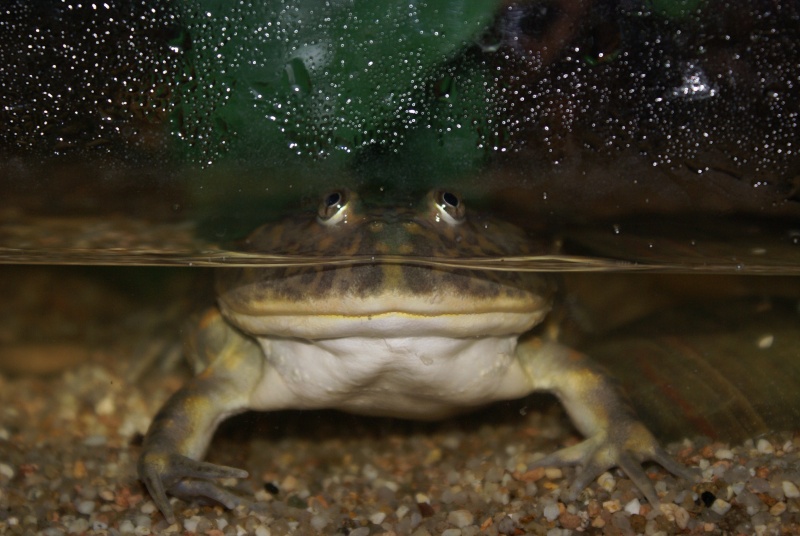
(449, 206)
(334, 207)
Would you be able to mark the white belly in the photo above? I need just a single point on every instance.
(415, 377)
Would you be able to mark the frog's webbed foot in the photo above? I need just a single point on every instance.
(627, 445)
(186, 478)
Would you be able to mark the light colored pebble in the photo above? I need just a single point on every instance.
(263, 531)
(401, 511)
(77, 526)
(449, 532)
(675, 513)
(143, 522)
(553, 473)
(190, 523)
(289, 483)
(377, 518)
(724, 454)
(777, 509)
(721, 506)
(460, 518)
(95, 441)
(394, 486)
(612, 506)
(360, 531)
(318, 522)
(551, 512)
(6, 471)
(766, 341)
(633, 507)
(790, 490)
(607, 481)
(764, 446)
(85, 507)
(369, 472)
(106, 406)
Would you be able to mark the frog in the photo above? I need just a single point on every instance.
(387, 321)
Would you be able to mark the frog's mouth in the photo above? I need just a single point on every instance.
(386, 319)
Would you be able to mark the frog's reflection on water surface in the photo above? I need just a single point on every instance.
(385, 338)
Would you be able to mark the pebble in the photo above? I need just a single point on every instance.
(377, 518)
(676, 513)
(790, 489)
(553, 473)
(86, 507)
(318, 522)
(95, 441)
(6, 470)
(723, 454)
(551, 512)
(612, 506)
(721, 506)
(777, 509)
(190, 523)
(764, 446)
(607, 481)
(461, 518)
(633, 507)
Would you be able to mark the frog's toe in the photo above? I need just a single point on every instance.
(189, 489)
(627, 447)
(185, 478)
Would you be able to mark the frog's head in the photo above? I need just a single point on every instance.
(389, 285)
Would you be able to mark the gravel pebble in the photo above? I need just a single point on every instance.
(633, 506)
(790, 490)
(460, 518)
(764, 446)
(551, 512)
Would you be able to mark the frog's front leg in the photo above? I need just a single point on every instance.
(614, 435)
(181, 431)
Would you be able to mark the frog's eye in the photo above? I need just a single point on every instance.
(333, 207)
(449, 206)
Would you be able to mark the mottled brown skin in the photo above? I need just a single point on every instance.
(388, 333)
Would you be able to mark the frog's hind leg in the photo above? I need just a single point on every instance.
(614, 435)
(181, 431)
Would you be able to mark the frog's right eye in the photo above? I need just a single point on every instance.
(334, 207)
